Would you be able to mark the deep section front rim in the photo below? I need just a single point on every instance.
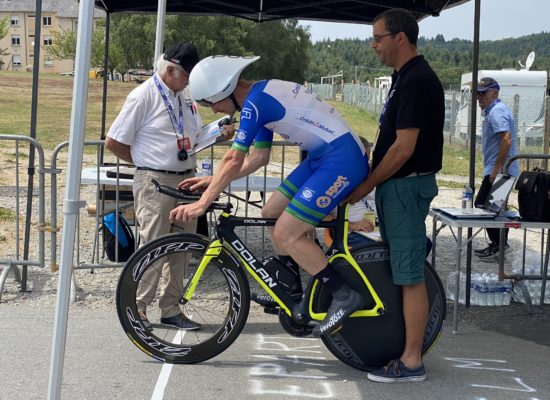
(220, 302)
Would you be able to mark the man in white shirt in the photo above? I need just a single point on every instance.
(157, 126)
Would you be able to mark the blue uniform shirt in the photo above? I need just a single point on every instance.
(498, 119)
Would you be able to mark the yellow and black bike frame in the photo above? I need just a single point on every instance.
(226, 240)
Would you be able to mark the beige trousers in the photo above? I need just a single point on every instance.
(152, 210)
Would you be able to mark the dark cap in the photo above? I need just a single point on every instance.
(486, 84)
(184, 54)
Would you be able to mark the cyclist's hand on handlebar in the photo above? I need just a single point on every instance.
(199, 183)
(186, 212)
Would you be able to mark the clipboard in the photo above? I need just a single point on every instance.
(209, 135)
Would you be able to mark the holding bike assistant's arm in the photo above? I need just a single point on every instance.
(336, 163)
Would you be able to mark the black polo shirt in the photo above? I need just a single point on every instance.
(415, 100)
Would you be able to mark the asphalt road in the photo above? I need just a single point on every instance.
(102, 363)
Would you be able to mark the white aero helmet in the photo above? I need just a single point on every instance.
(215, 78)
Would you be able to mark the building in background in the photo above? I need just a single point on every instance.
(57, 15)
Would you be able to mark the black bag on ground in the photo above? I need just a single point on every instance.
(126, 242)
(534, 195)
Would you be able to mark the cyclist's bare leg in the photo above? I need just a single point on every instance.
(273, 208)
(415, 311)
(289, 237)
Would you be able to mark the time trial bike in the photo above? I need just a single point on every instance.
(215, 292)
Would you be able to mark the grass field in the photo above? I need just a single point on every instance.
(55, 102)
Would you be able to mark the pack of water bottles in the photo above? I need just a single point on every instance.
(485, 289)
(533, 286)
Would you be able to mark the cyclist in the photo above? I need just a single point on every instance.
(336, 163)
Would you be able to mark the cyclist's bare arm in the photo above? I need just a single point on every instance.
(231, 167)
(255, 159)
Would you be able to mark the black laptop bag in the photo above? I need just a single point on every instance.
(534, 195)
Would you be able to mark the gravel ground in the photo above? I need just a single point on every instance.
(96, 288)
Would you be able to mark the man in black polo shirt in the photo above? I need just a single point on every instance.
(407, 155)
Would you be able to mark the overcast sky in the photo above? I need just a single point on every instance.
(499, 19)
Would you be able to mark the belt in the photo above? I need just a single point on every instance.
(413, 174)
(184, 172)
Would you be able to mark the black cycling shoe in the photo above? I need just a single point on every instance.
(344, 303)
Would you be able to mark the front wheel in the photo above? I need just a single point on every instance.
(155, 279)
(367, 343)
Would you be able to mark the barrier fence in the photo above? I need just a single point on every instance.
(529, 113)
(99, 195)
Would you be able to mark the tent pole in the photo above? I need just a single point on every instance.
(159, 40)
(71, 203)
(473, 131)
(34, 112)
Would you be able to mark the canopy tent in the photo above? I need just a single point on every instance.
(266, 10)
(362, 11)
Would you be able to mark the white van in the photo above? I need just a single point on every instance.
(523, 91)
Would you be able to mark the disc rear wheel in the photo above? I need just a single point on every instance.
(367, 343)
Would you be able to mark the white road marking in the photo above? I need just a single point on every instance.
(164, 376)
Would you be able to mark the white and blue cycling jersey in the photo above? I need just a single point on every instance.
(336, 160)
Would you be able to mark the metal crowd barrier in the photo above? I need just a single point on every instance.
(98, 197)
(36, 259)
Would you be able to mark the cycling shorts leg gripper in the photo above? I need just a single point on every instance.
(325, 182)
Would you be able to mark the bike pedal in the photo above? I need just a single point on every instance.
(271, 310)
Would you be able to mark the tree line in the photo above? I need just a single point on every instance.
(287, 51)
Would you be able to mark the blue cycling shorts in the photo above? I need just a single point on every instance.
(320, 183)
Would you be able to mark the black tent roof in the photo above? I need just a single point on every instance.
(358, 11)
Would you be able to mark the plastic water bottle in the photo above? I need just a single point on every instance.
(475, 284)
(499, 293)
(491, 291)
(484, 289)
(467, 197)
(206, 166)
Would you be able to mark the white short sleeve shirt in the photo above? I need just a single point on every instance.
(145, 125)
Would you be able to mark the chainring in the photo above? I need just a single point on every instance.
(292, 327)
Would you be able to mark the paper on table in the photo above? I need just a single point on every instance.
(208, 135)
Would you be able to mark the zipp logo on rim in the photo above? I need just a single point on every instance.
(151, 341)
(155, 254)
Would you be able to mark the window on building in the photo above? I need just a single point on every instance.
(47, 40)
(15, 40)
(16, 60)
(48, 62)
(15, 20)
(47, 21)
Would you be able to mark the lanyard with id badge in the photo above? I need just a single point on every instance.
(183, 142)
